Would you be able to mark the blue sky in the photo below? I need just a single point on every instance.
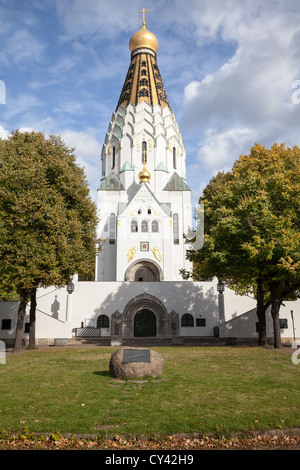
(231, 70)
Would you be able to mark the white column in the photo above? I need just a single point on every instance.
(221, 308)
(69, 308)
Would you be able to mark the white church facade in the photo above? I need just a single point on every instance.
(144, 207)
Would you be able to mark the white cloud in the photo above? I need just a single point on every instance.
(220, 149)
(21, 46)
(88, 17)
(3, 132)
(228, 68)
(21, 105)
(248, 98)
(87, 151)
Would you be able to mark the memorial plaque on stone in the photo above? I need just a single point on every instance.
(136, 355)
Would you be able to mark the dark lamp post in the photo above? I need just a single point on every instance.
(221, 287)
(70, 286)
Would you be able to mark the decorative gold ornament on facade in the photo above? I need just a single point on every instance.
(144, 175)
(131, 254)
(156, 253)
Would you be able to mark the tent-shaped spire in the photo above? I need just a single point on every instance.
(143, 80)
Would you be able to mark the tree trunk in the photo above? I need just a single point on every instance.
(261, 308)
(276, 325)
(32, 319)
(24, 296)
(275, 307)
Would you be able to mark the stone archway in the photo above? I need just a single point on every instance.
(144, 270)
(141, 308)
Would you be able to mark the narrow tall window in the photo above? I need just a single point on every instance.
(113, 162)
(175, 229)
(112, 229)
(143, 92)
(144, 152)
(174, 158)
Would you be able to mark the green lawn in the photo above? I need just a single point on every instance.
(206, 389)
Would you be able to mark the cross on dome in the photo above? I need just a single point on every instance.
(144, 11)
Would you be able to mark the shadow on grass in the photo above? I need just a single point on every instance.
(102, 373)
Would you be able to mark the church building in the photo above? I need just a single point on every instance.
(144, 208)
(144, 201)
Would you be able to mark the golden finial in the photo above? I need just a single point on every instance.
(144, 11)
(143, 38)
(144, 175)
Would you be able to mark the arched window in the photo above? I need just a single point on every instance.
(174, 158)
(112, 229)
(103, 321)
(144, 226)
(175, 229)
(143, 72)
(144, 63)
(144, 92)
(134, 226)
(144, 82)
(149, 211)
(187, 320)
(144, 152)
(154, 226)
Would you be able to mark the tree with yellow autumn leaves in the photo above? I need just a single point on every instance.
(252, 230)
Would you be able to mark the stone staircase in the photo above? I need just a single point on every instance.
(150, 342)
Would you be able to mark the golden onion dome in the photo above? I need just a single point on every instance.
(143, 39)
(144, 175)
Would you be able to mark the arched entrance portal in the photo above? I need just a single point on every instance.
(145, 323)
(145, 315)
(144, 270)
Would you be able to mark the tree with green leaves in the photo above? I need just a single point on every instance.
(47, 219)
(252, 229)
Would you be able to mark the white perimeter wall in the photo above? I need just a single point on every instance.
(200, 299)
